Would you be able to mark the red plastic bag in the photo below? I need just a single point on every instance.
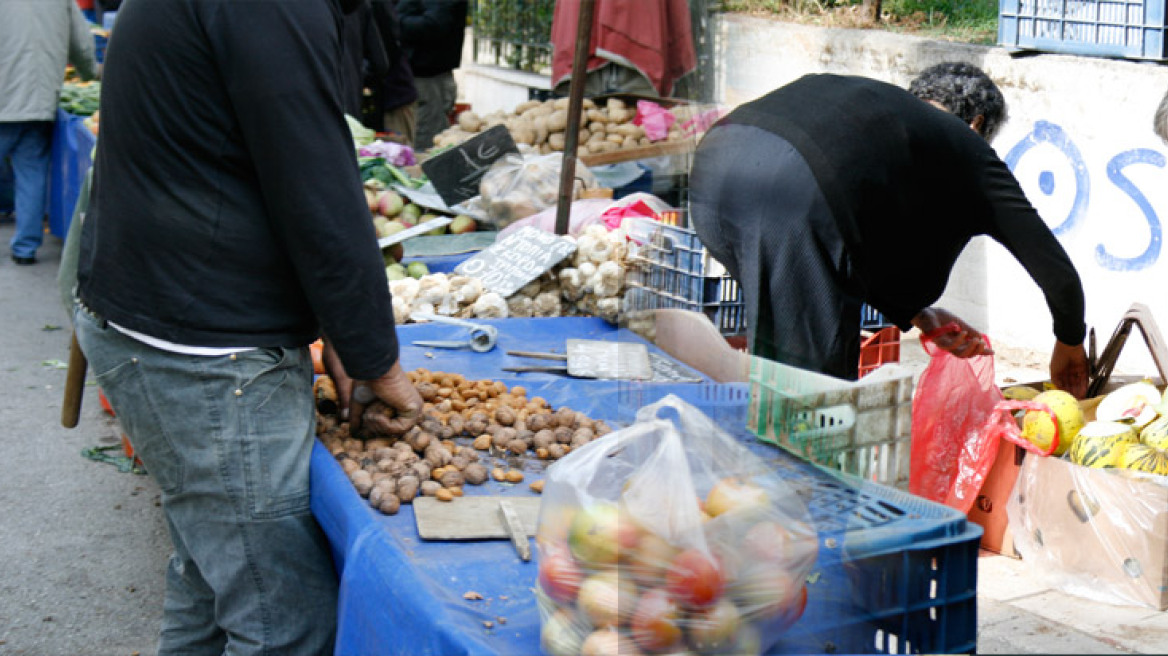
(955, 431)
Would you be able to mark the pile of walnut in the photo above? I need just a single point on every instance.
(485, 415)
(591, 282)
(539, 126)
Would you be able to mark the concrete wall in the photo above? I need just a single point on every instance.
(1079, 139)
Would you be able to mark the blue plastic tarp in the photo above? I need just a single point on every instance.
(890, 566)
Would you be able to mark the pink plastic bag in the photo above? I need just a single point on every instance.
(955, 431)
(655, 119)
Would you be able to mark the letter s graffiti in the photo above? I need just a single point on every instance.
(1115, 174)
(1049, 133)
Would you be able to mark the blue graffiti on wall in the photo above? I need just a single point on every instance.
(1050, 134)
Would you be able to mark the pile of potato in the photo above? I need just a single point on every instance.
(542, 125)
(485, 416)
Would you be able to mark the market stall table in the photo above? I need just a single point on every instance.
(891, 568)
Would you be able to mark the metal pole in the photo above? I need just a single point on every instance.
(575, 107)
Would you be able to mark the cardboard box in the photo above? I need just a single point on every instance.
(1097, 533)
(989, 508)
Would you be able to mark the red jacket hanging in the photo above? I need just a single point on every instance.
(652, 36)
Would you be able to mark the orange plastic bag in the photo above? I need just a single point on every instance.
(955, 431)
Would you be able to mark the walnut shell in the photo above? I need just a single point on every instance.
(517, 446)
(390, 504)
(452, 478)
(475, 474)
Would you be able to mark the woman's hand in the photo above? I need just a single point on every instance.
(1069, 370)
(950, 333)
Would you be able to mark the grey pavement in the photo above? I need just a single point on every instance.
(83, 546)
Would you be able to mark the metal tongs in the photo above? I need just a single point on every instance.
(480, 338)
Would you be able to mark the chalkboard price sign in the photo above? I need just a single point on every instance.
(517, 259)
(456, 173)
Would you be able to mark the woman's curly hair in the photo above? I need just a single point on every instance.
(966, 91)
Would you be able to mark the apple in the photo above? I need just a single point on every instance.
(395, 271)
(389, 203)
(372, 199)
(606, 598)
(381, 226)
(771, 542)
(410, 213)
(607, 642)
(714, 629)
(694, 579)
(389, 228)
(594, 537)
(462, 224)
(650, 560)
(430, 217)
(559, 576)
(729, 495)
(417, 269)
(560, 635)
(392, 254)
(764, 591)
(656, 623)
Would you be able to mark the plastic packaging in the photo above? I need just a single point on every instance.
(1101, 534)
(516, 187)
(953, 447)
(669, 536)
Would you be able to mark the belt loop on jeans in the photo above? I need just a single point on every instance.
(101, 322)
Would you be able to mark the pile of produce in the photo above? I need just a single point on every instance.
(591, 282)
(80, 98)
(392, 214)
(540, 126)
(463, 423)
(669, 542)
(1130, 429)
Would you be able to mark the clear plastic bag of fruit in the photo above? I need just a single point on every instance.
(669, 536)
(516, 187)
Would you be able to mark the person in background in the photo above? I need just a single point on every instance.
(432, 32)
(638, 46)
(204, 275)
(394, 97)
(834, 191)
(37, 39)
(365, 56)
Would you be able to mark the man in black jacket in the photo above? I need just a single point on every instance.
(432, 33)
(834, 191)
(227, 230)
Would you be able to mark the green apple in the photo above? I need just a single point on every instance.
(410, 213)
(395, 271)
(430, 217)
(389, 203)
(462, 224)
(417, 269)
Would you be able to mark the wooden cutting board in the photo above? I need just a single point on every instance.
(472, 518)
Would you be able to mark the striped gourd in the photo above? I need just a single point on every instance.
(1101, 443)
(1155, 434)
(1141, 457)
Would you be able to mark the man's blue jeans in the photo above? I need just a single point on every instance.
(28, 143)
(228, 439)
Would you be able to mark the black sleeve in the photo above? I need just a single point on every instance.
(420, 18)
(385, 17)
(375, 56)
(1017, 226)
(282, 84)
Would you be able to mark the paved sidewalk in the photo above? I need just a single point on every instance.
(83, 547)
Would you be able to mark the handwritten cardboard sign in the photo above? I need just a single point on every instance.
(517, 259)
(456, 173)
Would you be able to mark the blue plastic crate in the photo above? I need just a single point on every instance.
(896, 574)
(871, 319)
(728, 317)
(1133, 29)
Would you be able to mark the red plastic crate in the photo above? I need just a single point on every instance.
(882, 347)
